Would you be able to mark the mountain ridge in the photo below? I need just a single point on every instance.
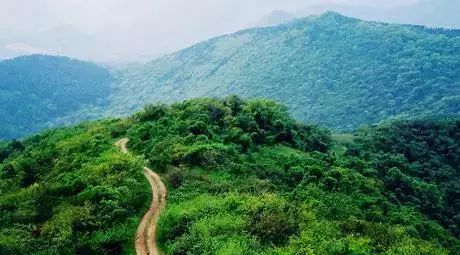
(222, 65)
(332, 70)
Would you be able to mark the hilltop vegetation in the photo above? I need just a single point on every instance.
(243, 177)
(38, 92)
(331, 70)
(69, 191)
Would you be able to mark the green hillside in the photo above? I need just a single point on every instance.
(38, 92)
(332, 70)
(243, 177)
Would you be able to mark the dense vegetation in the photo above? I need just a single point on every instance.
(331, 70)
(69, 191)
(243, 178)
(419, 164)
(38, 92)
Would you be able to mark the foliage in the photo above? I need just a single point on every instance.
(330, 70)
(419, 164)
(69, 191)
(243, 177)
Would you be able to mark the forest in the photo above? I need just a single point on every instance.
(243, 177)
(330, 70)
(337, 72)
(39, 92)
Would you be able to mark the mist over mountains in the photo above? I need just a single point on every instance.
(139, 36)
(319, 134)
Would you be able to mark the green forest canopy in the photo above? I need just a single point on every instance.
(243, 178)
(330, 70)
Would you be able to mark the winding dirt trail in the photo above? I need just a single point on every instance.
(145, 242)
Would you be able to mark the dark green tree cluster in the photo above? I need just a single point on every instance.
(208, 131)
(245, 178)
(419, 164)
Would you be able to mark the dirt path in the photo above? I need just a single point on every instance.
(145, 242)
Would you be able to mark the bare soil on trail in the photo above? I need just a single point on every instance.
(145, 242)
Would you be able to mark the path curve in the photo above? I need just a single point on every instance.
(145, 242)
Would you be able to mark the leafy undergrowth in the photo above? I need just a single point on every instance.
(70, 191)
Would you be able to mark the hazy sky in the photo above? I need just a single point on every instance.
(122, 29)
(23, 15)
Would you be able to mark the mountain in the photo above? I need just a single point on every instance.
(38, 92)
(432, 13)
(332, 70)
(243, 177)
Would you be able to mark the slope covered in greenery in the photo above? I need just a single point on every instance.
(332, 70)
(69, 191)
(38, 92)
(243, 177)
(419, 164)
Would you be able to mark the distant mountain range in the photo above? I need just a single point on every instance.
(141, 42)
(439, 13)
(329, 69)
(432, 13)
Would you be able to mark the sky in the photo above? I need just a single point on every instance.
(23, 15)
(134, 30)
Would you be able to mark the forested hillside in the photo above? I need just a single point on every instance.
(243, 177)
(38, 92)
(419, 164)
(332, 70)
